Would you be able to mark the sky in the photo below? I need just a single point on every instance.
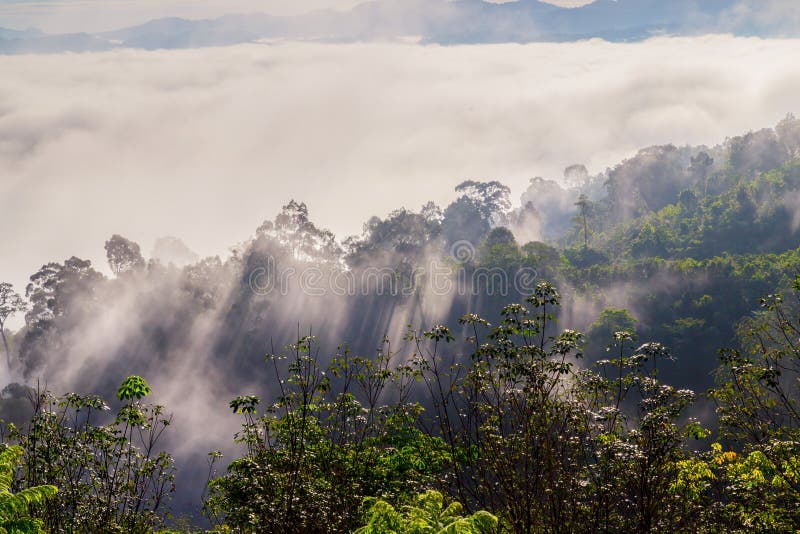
(64, 16)
(206, 144)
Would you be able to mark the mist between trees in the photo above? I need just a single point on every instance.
(660, 261)
(438, 279)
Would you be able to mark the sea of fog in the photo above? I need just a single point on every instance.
(206, 144)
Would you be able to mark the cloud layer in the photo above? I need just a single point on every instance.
(205, 144)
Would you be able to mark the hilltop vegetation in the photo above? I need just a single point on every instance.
(604, 405)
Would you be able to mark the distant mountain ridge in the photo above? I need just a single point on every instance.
(439, 21)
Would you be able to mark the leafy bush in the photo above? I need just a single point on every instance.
(111, 474)
(317, 452)
(15, 508)
(427, 515)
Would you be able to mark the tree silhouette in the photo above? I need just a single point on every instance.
(123, 255)
(10, 303)
(583, 204)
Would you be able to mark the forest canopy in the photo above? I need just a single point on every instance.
(616, 352)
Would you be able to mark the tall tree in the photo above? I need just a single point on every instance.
(756, 152)
(403, 234)
(304, 240)
(10, 303)
(480, 206)
(788, 131)
(491, 199)
(123, 255)
(60, 295)
(576, 176)
(583, 204)
(699, 169)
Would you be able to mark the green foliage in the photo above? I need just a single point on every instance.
(550, 431)
(111, 475)
(746, 492)
(608, 323)
(518, 429)
(427, 515)
(585, 257)
(758, 396)
(15, 508)
(757, 403)
(318, 450)
(520, 435)
(743, 213)
(133, 387)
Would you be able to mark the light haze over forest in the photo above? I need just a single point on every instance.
(165, 166)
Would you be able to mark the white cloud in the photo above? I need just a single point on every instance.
(205, 144)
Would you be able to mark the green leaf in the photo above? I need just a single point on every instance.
(133, 387)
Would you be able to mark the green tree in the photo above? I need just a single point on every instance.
(758, 404)
(759, 397)
(111, 474)
(545, 445)
(583, 205)
(325, 444)
(480, 206)
(608, 323)
(60, 295)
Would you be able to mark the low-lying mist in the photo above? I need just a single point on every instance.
(206, 144)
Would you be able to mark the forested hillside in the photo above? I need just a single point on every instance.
(616, 352)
